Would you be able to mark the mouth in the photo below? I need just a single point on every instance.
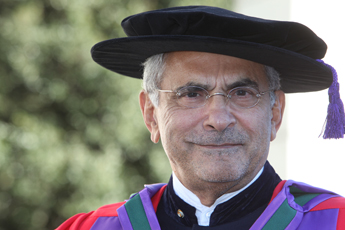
(220, 146)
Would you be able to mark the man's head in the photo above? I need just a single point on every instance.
(217, 142)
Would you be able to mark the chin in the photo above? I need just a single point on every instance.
(222, 176)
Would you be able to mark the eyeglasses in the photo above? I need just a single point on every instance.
(194, 96)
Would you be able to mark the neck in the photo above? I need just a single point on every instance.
(211, 193)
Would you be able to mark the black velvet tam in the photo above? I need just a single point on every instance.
(291, 48)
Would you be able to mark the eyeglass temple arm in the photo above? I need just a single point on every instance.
(166, 91)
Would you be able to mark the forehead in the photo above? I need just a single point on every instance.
(210, 69)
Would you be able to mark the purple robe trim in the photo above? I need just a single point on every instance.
(124, 219)
(305, 187)
(111, 222)
(320, 220)
(153, 188)
(317, 200)
(145, 195)
(302, 212)
(295, 221)
(149, 210)
(269, 211)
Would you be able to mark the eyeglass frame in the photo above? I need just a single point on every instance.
(228, 96)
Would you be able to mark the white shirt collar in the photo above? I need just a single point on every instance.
(203, 213)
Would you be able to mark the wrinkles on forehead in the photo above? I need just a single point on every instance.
(208, 70)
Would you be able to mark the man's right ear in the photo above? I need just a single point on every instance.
(149, 114)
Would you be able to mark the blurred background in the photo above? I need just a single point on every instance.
(71, 133)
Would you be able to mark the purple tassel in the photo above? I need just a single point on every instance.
(335, 121)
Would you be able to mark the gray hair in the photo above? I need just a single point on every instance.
(273, 82)
(154, 68)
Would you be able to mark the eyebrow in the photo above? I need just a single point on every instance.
(192, 83)
(240, 83)
(243, 82)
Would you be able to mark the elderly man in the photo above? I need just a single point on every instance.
(214, 84)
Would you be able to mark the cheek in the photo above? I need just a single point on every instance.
(257, 124)
(176, 123)
(173, 120)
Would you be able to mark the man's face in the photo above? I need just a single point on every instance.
(216, 142)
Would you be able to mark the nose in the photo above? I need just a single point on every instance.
(219, 114)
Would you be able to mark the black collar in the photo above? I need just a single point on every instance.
(244, 208)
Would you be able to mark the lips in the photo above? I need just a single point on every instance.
(220, 146)
(228, 139)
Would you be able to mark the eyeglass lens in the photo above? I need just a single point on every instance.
(194, 96)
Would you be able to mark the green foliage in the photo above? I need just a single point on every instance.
(71, 133)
